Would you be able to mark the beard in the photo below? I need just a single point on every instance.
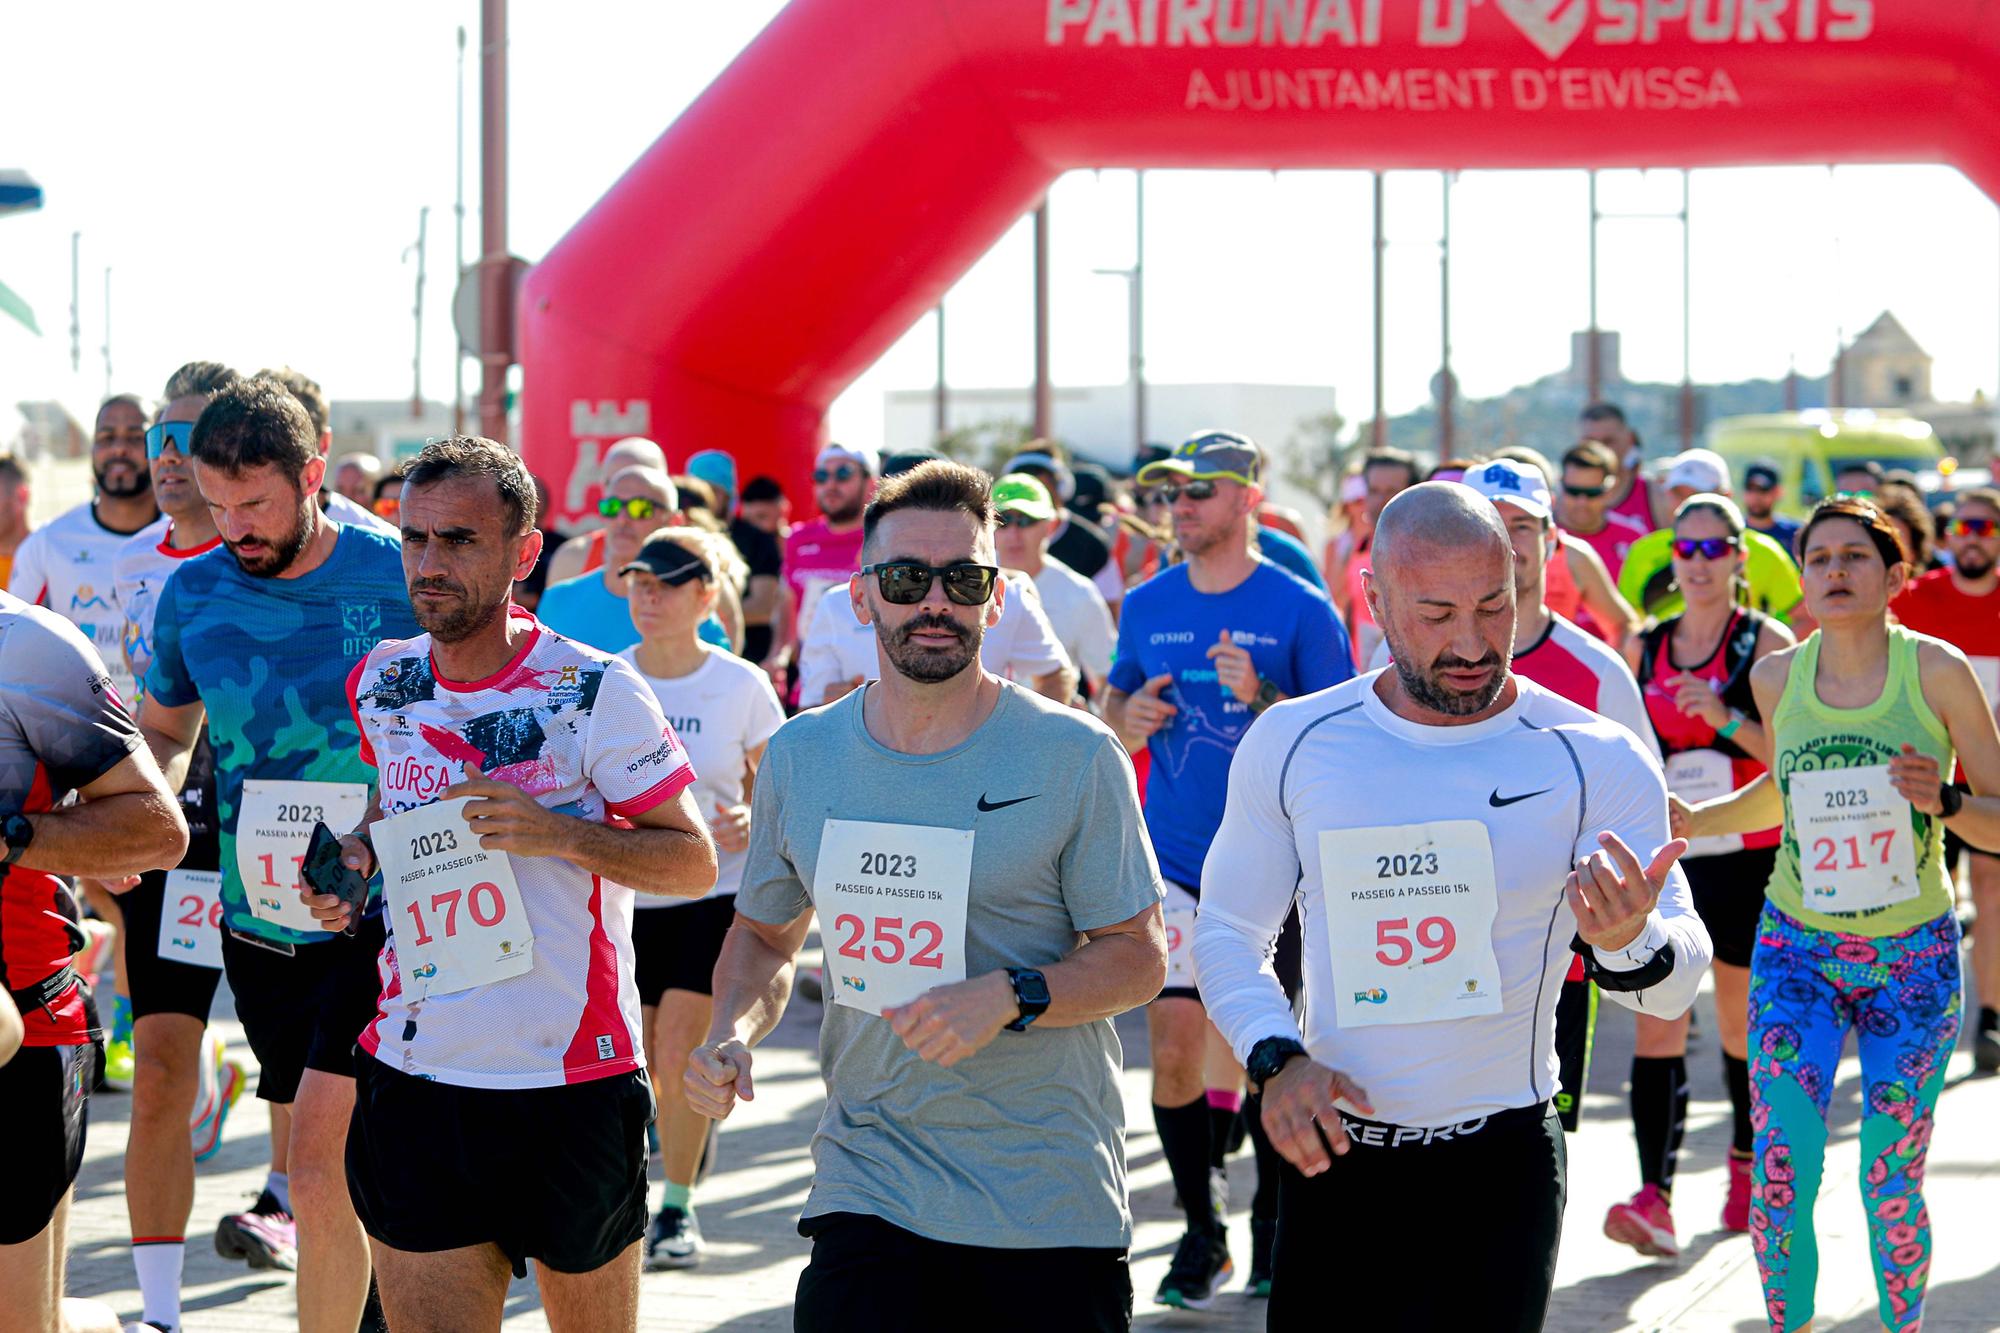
(135, 481)
(846, 513)
(458, 622)
(278, 555)
(930, 666)
(1974, 564)
(1427, 686)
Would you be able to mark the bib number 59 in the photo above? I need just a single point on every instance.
(1393, 947)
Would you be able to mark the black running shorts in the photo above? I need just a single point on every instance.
(304, 1010)
(1729, 898)
(676, 947)
(44, 1096)
(552, 1174)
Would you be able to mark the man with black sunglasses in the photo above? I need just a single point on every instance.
(1589, 476)
(1961, 605)
(1761, 487)
(821, 554)
(1203, 648)
(976, 855)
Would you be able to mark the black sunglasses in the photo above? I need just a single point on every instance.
(822, 475)
(907, 582)
(1586, 492)
(1199, 489)
(1015, 519)
(1708, 548)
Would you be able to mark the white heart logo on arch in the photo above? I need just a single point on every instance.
(1552, 25)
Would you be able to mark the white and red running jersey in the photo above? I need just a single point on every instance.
(1581, 668)
(579, 731)
(67, 566)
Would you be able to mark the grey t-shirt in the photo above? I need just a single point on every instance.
(1021, 1146)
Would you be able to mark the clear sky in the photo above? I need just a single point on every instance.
(253, 174)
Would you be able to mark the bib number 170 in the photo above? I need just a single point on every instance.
(484, 902)
(890, 945)
(1393, 946)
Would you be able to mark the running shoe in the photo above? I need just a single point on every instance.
(150, 1326)
(1263, 1242)
(1736, 1212)
(264, 1237)
(1986, 1051)
(810, 983)
(675, 1241)
(118, 1065)
(1645, 1223)
(207, 1135)
(1201, 1265)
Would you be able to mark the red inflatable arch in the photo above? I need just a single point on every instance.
(862, 154)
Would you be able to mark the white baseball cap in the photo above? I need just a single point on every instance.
(860, 455)
(1503, 481)
(1700, 470)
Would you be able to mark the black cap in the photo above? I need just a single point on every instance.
(759, 489)
(1762, 475)
(903, 460)
(668, 561)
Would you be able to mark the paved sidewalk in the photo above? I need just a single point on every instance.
(749, 1207)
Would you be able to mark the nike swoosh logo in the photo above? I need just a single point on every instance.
(1497, 801)
(984, 804)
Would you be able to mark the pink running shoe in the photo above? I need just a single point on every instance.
(207, 1135)
(264, 1237)
(1644, 1223)
(1736, 1211)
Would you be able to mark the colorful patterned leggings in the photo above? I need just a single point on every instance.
(1807, 988)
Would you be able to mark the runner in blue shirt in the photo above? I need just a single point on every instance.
(1203, 648)
(256, 639)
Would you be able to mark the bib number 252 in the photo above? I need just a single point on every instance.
(923, 941)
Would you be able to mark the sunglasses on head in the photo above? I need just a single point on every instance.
(1200, 489)
(1586, 492)
(638, 506)
(822, 475)
(176, 432)
(1708, 548)
(1973, 527)
(907, 582)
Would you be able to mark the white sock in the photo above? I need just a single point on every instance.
(158, 1263)
(280, 1185)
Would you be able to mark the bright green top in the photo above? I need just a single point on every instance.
(1646, 578)
(1810, 735)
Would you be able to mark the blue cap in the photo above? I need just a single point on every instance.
(718, 469)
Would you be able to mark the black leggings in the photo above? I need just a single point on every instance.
(1359, 1246)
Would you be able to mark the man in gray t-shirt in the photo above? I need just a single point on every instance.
(988, 900)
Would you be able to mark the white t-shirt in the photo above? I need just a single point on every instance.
(67, 566)
(141, 569)
(838, 647)
(1081, 619)
(1544, 777)
(343, 510)
(722, 710)
(579, 731)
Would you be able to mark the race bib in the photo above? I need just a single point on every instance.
(891, 900)
(1702, 775)
(1180, 912)
(191, 918)
(1409, 918)
(274, 824)
(1988, 671)
(454, 907)
(812, 591)
(1857, 848)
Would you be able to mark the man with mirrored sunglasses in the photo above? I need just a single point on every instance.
(1961, 605)
(1203, 648)
(591, 608)
(977, 857)
(821, 554)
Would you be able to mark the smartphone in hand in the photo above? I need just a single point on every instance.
(323, 873)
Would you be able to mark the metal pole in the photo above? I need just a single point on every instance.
(941, 429)
(75, 309)
(458, 251)
(417, 314)
(1139, 315)
(1044, 391)
(495, 297)
(106, 349)
(1380, 430)
(1687, 316)
(1593, 357)
(1447, 391)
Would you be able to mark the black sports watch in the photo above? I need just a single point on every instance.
(18, 831)
(1269, 1056)
(1031, 992)
(1267, 694)
(1950, 801)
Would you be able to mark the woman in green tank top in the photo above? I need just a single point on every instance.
(1859, 929)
